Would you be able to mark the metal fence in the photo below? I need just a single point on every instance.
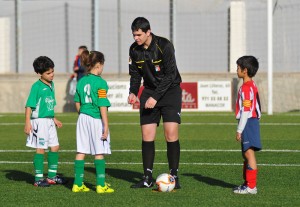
(56, 29)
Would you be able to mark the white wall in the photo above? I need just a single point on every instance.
(15, 90)
(237, 33)
(4, 44)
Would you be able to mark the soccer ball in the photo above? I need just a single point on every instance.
(165, 182)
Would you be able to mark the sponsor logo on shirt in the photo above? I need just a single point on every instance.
(50, 103)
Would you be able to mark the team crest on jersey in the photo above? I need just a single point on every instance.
(157, 68)
(101, 93)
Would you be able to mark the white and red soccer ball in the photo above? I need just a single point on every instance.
(165, 182)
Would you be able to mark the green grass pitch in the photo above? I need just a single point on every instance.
(210, 163)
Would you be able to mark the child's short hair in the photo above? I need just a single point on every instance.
(42, 64)
(83, 47)
(249, 62)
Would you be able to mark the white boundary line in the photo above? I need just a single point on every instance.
(136, 114)
(186, 123)
(161, 163)
(182, 150)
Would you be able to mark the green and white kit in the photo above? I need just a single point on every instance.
(91, 93)
(42, 101)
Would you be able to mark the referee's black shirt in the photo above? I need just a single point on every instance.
(156, 65)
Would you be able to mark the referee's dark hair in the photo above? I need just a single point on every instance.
(140, 23)
(249, 62)
(42, 64)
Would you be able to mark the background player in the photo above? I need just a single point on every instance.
(92, 132)
(40, 123)
(248, 113)
(153, 59)
(79, 69)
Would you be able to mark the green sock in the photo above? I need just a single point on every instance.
(52, 164)
(100, 172)
(38, 163)
(79, 172)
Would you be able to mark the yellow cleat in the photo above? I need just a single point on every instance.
(105, 189)
(77, 189)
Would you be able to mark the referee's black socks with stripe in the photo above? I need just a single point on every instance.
(173, 153)
(148, 153)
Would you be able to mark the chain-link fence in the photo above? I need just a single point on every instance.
(202, 27)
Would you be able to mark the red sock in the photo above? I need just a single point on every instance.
(251, 178)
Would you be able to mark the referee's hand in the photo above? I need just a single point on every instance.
(150, 103)
(131, 98)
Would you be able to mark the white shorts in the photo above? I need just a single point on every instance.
(43, 134)
(88, 136)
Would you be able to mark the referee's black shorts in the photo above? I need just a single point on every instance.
(168, 107)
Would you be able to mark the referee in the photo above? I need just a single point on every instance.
(152, 58)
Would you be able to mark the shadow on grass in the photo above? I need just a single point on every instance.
(210, 181)
(20, 176)
(127, 175)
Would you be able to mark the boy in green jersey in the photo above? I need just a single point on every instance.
(40, 124)
(92, 132)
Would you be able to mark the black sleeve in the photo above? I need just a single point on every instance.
(135, 76)
(170, 71)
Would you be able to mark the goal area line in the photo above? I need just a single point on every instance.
(158, 150)
(161, 163)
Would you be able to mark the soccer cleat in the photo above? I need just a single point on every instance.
(105, 189)
(239, 187)
(177, 185)
(77, 189)
(146, 182)
(56, 180)
(245, 190)
(41, 183)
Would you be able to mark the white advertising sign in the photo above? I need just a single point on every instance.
(214, 96)
(118, 92)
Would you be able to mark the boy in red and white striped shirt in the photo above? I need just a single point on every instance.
(248, 113)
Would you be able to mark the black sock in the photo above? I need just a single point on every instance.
(173, 153)
(148, 153)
